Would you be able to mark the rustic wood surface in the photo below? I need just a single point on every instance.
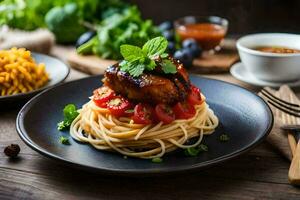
(259, 174)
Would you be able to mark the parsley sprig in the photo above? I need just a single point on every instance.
(64, 140)
(137, 60)
(70, 113)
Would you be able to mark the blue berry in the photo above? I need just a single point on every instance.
(185, 57)
(171, 48)
(167, 25)
(169, 35)
(192, 46)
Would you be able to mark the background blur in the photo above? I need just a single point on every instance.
(245, 16)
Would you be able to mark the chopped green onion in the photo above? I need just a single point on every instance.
(192, 151)
(157, 160)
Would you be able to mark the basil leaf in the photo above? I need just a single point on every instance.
(168, 67)
(155, 46)
(131, 53)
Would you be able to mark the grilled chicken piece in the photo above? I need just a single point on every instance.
(149, 88)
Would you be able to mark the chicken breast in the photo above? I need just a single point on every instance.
(150, 88)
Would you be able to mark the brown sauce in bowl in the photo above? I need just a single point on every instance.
(276, 49)
(206, 34)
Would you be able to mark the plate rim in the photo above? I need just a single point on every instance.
(134, 172)
(20, 95)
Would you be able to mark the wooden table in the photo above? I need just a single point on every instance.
(259, 174)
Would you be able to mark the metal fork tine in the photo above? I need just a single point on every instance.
(280, 100)
(270, 98)
(283, 109)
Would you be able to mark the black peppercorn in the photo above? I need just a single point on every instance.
(12, 150)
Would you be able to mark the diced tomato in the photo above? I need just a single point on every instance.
(102, 95)
(194, 97)
(143, 114)
(184, 110)
(164, 113)
(118, 105)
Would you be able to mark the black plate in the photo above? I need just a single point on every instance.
(244, 116)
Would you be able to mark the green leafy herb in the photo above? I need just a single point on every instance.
(156, 46)
(194, 151)
(157, 160)
(137, 60)
(64, 140)
(30, 14)
(70, 113)
(168, 67)
(164, 55)
(224, 138)
(119, 26)
(131, 53)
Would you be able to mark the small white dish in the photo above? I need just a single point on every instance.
(271, 67)
(240, 72)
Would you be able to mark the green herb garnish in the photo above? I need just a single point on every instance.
(224, 138)
(191, 151)
(137, 60)
(70, 113)
(157, 160)
(64, 140)
(194, 151)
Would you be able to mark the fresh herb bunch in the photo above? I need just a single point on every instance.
(30, 14)
(118, 28)
(137, 60)
(70, 113)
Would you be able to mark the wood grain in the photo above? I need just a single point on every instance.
(294, 171)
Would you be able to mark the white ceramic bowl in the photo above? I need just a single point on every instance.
(277, 67)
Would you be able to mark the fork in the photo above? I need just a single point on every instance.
(289, 112)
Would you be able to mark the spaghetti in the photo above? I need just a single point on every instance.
(95, 125)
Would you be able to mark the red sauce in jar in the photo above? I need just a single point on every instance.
(207, 35)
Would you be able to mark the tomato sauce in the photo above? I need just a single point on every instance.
(206, 34)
